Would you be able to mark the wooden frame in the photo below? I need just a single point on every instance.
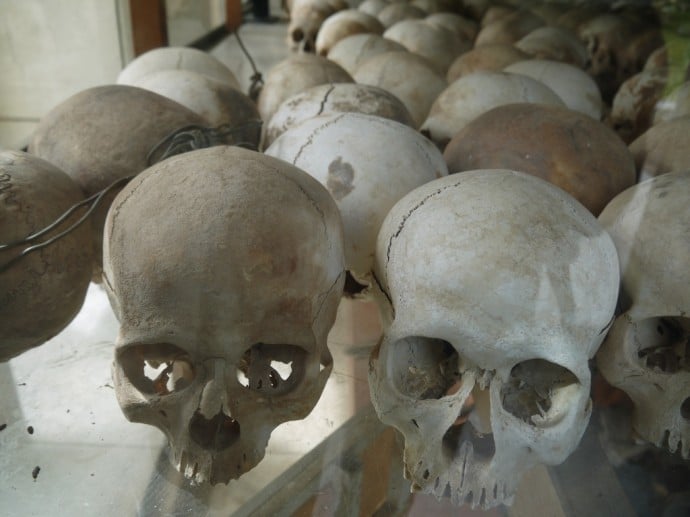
(149, 25)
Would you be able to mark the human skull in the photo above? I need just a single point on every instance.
(490, 58)
(555, 44)
(495, 13)
(437, 44)
(509, 28)
(411, 78)
(662, 148)
(41, 292)
(674, 104)
(223, 324)
(646, 353)
(219, 103)
(367, 163)
(574, 86)
(547, 142)
(343, 24)
(398, 11)
(177, 58)
(634, 104)
(465, 28)
(496, 287)
(104, 134)
(325, 99)
(293, 75)
(372, 7)
(474, 94)
(617, 48)
(306, 18)
(350, 52)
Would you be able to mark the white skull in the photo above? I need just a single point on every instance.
(573, 85)
(647, 352)
(555, 44)
(342, 24)
(225, 268)
(410, 77)
(399, 11)
(468, 97)
(293, 75)
(177, 58)
(367, 163)
(350, 52)
(437, 44)
(219, 103)
(498, 289)
(325, 99)
(306, 18)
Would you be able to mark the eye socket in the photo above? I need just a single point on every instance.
(530, 391)
(297, 35)
(664, 344)
(157, 369)
(272, 369)
(423, 368)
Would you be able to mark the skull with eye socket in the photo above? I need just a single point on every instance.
(647, 352)
(497, 288)
(225, 269)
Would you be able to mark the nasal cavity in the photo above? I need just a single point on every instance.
(214, 434)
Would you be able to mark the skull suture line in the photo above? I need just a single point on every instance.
(498, 289)
(221, 265)
(647, 352)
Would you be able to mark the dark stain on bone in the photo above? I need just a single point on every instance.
(35, 471)
(340, 178)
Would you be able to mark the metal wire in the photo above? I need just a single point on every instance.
(93, 200)
(256, 78)
(193, 137)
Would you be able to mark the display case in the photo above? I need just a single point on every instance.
(72, 438)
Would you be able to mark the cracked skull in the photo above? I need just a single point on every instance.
(224, 268)
(496, 289)
(367, 163)
(647, 352)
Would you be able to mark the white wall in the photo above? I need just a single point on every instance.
(52, 49)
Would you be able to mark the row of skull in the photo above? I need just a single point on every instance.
(488, 324)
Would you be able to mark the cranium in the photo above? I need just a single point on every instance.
(635, 101)
(350, 52)
(465, 28)
(555, 44)
(509, 28)
(343, 24)
(372, 7)
(618, 47)
(223, 324)
(42, 291)
(104, 134)
(306, 18)
(367, 163)
(219, 103)
(662, 148)
(646, 353)
(496, 288)
(177, 58)
(326, 99)
(293, 75)
(471, 95)
(547, 142)
(398, 11)
(436, 43)
(574, 86)
(490, 58)
(411, 78)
